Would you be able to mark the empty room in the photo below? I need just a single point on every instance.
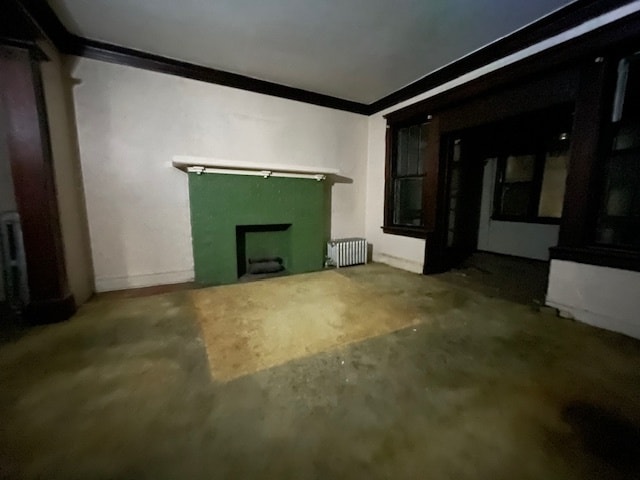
(320, 239)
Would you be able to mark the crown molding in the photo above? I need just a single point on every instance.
(565, 18)
(71, 44)
(561, 20)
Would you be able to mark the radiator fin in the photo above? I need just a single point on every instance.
(343, 252)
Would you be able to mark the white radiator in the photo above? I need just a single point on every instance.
(343, 252)
(13, 259)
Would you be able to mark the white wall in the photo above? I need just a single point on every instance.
(600, 296)
(131, 123)
(529, 240)
(406, 252)
(401, 252)
(71, 205)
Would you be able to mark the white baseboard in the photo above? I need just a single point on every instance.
(598, 320)
(108, 284)
(397, 262)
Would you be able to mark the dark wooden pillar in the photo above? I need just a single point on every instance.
(580, 197)
(35, 191)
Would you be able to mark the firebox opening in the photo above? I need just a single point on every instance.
(263, 251)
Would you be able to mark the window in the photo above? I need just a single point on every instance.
(533, 156)
(405, 180)
(618, 221)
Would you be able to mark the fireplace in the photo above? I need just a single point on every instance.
(263, 250)
(235, 218)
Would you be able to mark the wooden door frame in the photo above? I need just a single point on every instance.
(32, 172)
(539, 92)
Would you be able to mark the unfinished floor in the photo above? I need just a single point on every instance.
(464, 386)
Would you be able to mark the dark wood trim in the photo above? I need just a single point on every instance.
(46, 21)
(436, 240)
(531, 261)
(147, 61)
(428, 178)
(566, 55)
(388, 179)
(580, 194)
(561, 20)
(432, 169)
(405, 231)
(71, 44)
(557, 22)
(33, 179)
(18, 30)
(516, 219)
(40, 312)
(603, 257)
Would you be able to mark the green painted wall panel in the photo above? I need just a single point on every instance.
(220, 202)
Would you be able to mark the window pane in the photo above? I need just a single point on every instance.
(414, 150)
(408, 201)
(619, 222)
(515, 199)
(628, 137)
(422, 163)
(457, 145)
(629, 78)
(403, 152)
(553, 186)
(520, 168)
(619, 218)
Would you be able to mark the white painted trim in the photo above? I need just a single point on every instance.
(572, 33)
(397, 262)
(256, 173)
(108, 284)
(596, 319)
(185, 162)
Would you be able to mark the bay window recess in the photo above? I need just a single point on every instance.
(532, 167)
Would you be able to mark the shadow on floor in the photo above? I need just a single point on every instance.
(477, 387)
(12, 326)
(515, 279)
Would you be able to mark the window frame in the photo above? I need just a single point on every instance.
(576, 72)
(555, 121)
(605, 153)
(391, 157)
(536, 191)
(592, 146)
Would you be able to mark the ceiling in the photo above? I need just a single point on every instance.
(359, 50)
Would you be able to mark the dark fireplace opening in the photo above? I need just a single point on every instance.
(263, 251)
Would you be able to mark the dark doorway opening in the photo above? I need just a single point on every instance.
(508, 175)
(501, 191)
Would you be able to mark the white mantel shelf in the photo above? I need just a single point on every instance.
(201, 165)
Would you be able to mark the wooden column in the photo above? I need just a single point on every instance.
(35, 191)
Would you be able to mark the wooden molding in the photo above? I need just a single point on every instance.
(603, 257)
(561, 20)
(33, 180)
(548, 62)
(557, 22)
(135, 58)
(405, 231)
(71, 44)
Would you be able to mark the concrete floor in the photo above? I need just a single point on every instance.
(480, 388)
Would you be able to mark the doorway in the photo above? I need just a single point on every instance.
(502, 191)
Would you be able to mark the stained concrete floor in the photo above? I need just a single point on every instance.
(480, 388)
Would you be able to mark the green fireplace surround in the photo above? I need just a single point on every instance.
(222, 205)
